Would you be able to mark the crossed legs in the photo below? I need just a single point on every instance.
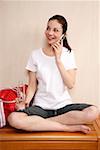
(89, 114)
(71, 121)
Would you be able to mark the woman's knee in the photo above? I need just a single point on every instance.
(15, 119)
(91, 113)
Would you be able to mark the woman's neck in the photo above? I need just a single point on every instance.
(48, 50)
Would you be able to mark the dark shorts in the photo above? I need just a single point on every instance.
(37, 110)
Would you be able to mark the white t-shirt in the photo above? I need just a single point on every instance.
(51, 92)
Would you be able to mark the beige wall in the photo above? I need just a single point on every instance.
(99, 55)
(22, 25)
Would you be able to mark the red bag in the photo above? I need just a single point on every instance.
(9, 96)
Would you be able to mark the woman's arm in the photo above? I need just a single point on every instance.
(32, 86)
(68, 76)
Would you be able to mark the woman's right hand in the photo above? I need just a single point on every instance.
(27, 103)
(21, 104)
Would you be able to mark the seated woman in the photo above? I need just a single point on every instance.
(55, 70)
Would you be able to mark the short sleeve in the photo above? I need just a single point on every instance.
(31, 64)
(69, 60)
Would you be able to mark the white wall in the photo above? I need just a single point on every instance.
(22, 25)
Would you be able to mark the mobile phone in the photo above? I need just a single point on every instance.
(62, 38)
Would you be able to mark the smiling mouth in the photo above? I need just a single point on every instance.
(51, 39)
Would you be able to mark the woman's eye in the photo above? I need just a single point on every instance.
(47, 28)
(56, 30)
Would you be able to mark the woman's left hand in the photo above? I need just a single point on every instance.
(57, 47)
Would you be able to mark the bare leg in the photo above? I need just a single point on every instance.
(35, 123)
(77, 117)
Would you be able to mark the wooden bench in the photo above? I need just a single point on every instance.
(12, 139)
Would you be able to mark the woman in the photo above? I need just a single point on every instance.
(52, 71)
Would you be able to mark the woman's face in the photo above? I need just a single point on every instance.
(53, 31)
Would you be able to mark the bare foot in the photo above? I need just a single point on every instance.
(82, 128)
(85, 129)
